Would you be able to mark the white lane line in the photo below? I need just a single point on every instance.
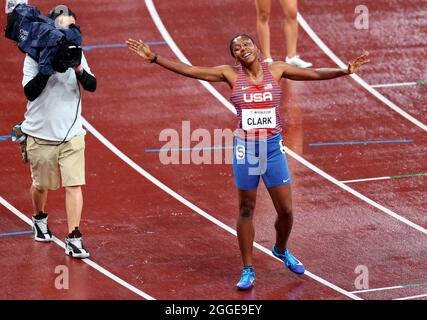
(356, 193)
(402, 176)
(355, 77)
(193, 207)
(391, 288)
(94, 265)
(412, 297)
(367, 179)
(400, 84)
(156, 18)
(377, 289)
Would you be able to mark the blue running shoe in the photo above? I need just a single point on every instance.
(247, 280)
(289, 260)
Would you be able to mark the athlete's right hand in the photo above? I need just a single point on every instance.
(140, 48)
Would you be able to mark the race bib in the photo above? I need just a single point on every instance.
(258, 118)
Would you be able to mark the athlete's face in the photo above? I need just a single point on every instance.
(244, 50)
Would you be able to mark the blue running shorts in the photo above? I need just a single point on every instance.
(255, 158)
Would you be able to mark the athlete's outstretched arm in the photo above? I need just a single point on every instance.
(287, 71)
(219, 73)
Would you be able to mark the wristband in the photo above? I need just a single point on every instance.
(154, 59)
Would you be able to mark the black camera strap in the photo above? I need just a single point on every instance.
(68, 132)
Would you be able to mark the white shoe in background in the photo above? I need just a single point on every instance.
(11, 4)
(268, 60)
(296, 61)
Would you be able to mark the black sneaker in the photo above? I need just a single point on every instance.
(41, 229)
(74, 245)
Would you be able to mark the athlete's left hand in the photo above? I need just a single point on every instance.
(358, 62)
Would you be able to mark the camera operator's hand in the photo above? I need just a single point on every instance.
(78, 69)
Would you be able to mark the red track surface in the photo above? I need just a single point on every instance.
(162, 247)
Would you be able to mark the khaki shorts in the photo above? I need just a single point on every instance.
(48, 162)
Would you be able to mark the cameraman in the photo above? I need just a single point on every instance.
(56, 139)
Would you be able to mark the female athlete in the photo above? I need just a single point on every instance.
(258, 146)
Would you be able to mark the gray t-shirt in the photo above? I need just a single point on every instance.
(52, 114)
